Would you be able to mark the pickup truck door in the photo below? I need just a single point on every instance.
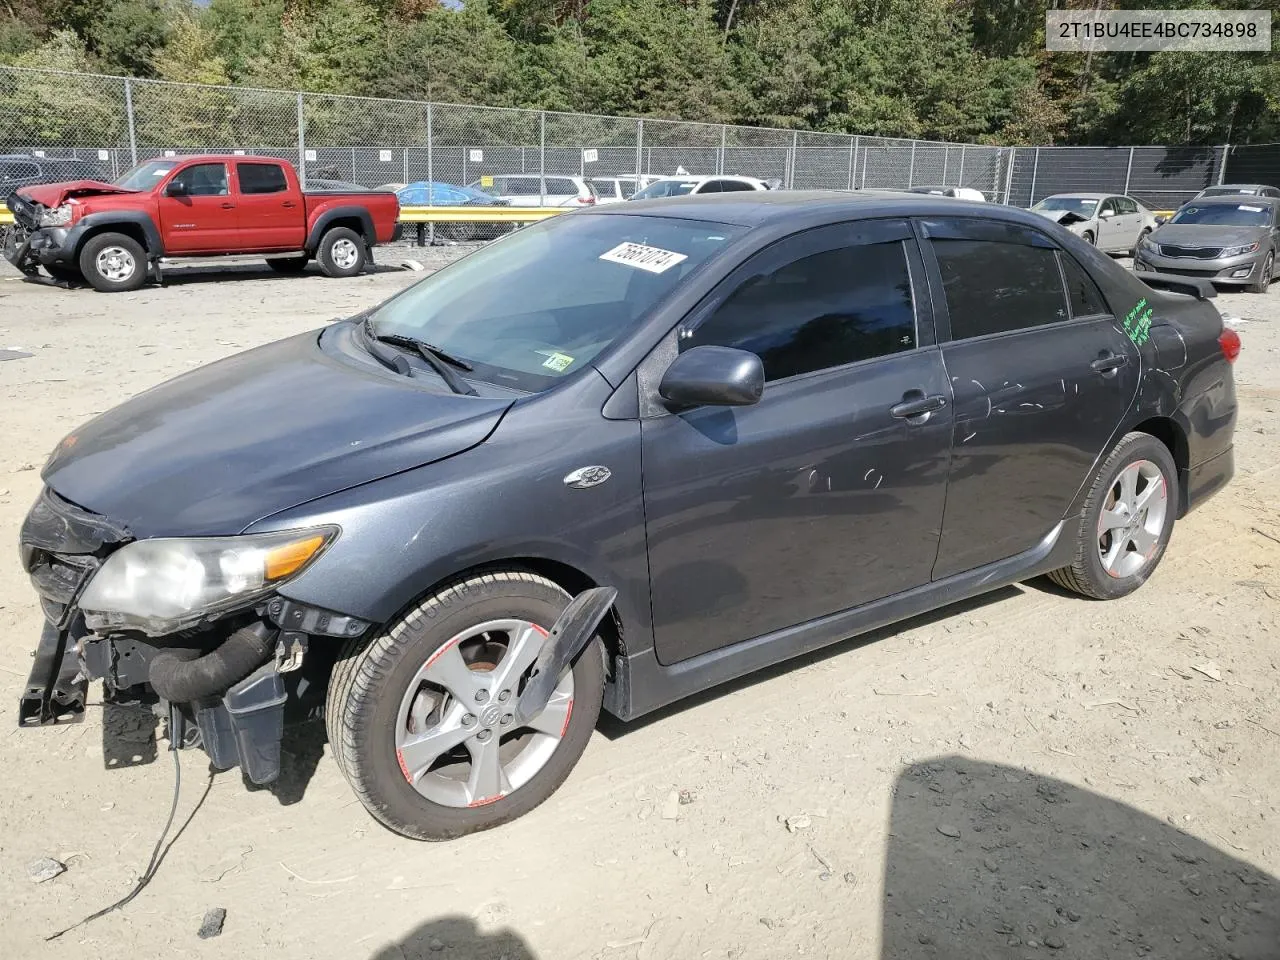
(271, 212)
(197, 211)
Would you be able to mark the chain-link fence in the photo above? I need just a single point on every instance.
(98, 126)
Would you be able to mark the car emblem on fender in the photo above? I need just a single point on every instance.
(585, 477)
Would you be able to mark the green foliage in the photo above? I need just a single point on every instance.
(942, 69)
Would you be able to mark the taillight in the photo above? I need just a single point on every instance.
(1229, 341)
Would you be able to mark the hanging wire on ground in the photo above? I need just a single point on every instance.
(176, 724)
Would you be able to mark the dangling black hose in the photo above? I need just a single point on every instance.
(179, 678)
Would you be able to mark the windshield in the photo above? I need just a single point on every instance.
(1226, 214)
(541, 303)
(145, 175)
(1227, 191)
(666, 188)
(1081, 206)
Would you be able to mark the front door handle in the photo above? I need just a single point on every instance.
(916, 406)
(1109, 364)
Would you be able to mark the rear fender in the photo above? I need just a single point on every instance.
(335, 215)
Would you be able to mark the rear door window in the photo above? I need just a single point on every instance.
(1084, 295)
(730, 186)
(562, 185)
(261, 178)
(999, 285)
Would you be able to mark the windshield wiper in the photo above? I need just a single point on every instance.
(439, 361)
(388, 358)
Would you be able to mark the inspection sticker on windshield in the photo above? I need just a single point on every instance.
(652, 259)
(559, 362)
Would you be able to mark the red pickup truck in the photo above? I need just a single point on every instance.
(115, 235)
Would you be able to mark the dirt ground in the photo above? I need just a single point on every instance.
(1022, 776)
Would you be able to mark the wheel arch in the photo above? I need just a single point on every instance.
(1169, 432)
(134, 224)
(353, 218)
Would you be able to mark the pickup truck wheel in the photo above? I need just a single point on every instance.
(289, 265)
(421, 721)
(1126, 522)
(113, 263)
(342, 253)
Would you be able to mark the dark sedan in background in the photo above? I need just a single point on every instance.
(1229, 240)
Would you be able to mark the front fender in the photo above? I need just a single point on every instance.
(93, 223)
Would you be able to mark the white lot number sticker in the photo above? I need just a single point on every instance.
(652, 259)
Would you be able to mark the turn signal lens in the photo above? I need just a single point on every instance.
(284, 560)
(1229, 341)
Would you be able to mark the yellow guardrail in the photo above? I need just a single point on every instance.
(5, 217)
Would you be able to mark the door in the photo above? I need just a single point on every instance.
(1041, 380)
(271, 217)
(1111, 228)
(1131, 218)
(829, 492)
(197, 211)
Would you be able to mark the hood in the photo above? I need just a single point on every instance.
(1064, 217)
(55, 194)
(1207, 235)
(216, 449)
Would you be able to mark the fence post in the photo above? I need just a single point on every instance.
(724, 140)
(639, 152)
(795, 147)
(1222, 164)
(1011, 157)
(431, 227)
(1128, 172)
(302, 145)
(128, 110)
(960, 179)
(542, 158)
(911, 171)
(853, 159)
(1035, 170)
(863, 184)
(946, 162)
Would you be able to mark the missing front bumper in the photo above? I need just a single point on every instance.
(56, 689)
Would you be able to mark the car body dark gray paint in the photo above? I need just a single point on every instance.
(431, 504)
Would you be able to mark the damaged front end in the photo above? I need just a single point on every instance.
(195, 623)
(18, 238)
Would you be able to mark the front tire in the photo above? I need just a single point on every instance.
(113, 263)
(1126, 522)
(1263, 282)
(1088, 237)
(417, 716)
(342, 253)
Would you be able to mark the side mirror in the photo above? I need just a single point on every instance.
(1106, 214)
(714, 376)
(176, 188)
(1161, 219)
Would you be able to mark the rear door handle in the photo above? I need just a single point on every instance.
(228, 205)
(1110, 363)
(289, 203)
(916, 407)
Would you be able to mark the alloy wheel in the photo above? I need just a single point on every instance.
(1132, 519)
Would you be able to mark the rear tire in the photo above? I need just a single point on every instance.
(1263, 283)
(1117, 546)
(288, 265)
(113, 263)
(342, 253)
(376, 680)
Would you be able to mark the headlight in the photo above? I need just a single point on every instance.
(1148, 245)
(56, 216)
(159, 586)
(1241, 250)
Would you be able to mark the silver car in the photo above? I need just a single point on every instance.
(1111, 222)
(1229, 240)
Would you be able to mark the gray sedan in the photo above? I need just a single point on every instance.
(1112, 223)
(1229, 240)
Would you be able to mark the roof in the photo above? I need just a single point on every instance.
(759, 207)
(704, 177)
(1232, 199)
(1238, 186)
(1083, 195)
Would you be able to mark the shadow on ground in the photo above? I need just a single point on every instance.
(996, 863)
(456, 938)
